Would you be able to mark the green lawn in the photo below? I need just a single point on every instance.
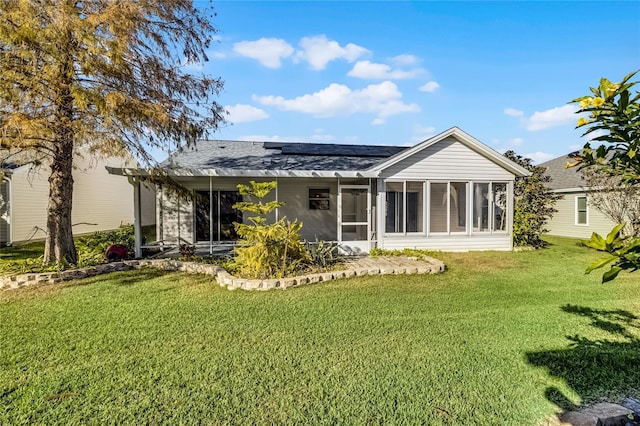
(501, 338)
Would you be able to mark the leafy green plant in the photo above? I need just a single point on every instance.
(534, 203)
(614, 111)
(322, 253)
(624, 253)
(90, 248)
(266, 250)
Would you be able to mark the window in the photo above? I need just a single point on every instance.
(405, 207)
(448, 207)
(395, 207)
(490, 207)
(452, 207)
(319, 198)
(582, 217)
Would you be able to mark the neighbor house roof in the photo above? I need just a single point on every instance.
(563, 178)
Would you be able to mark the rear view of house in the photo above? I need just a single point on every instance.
(450, 192)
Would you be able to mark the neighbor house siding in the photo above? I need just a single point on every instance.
(563, 222)
(447, 159)
(29, 205)
(100, 201)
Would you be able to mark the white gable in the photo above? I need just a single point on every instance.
(444, 160)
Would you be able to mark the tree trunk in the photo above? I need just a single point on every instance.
(59, 244)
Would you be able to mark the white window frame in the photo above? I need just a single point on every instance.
(576, 215)
(492, 207)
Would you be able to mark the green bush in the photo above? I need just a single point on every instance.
(323, 254)
(90, 248)
(266, 250)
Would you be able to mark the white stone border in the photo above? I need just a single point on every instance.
(223, 278)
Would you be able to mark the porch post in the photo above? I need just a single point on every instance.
(210, 215)
(277, 208)
(137, 218)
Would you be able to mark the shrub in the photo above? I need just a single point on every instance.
(323, 254)
(266, 250)
(91, 249)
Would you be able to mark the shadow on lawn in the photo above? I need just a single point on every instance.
(123, 278)
(596, 369)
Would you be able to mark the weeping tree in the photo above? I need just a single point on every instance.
(100, 77)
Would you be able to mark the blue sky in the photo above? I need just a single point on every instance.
(398, 72)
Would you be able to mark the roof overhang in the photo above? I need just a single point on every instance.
(248, 173)
(464, 138)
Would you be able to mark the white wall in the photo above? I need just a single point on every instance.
(100, 201)
(563, 222)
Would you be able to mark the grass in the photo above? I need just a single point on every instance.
(501, 338)
(22, 252)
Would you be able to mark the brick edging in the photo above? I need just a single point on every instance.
(224, 278)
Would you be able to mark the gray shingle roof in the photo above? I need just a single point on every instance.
(561, 177)
(243, 155)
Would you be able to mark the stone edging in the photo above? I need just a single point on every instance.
(223, 278)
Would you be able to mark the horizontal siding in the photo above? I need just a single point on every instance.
(449, 242)
(29, 205)
(563, 221)
(100, 201)
(320, 224)
(447, 159)
(175, 221)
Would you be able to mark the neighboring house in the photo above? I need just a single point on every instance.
(450, 192)
(575, 217)
(100, 201)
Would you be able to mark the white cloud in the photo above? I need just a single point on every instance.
(240, 113)
(421, 133)
(267, 51)
(403, 60)
(516, 141)
(371, 70)
(318, 51)
(539, 157)
(430, 86)
(336, 100)
(553, 117)
(513, 112)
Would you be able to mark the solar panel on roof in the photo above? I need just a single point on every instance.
(340, 150)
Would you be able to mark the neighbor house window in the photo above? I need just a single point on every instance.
(319, 198)
(581, 211)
